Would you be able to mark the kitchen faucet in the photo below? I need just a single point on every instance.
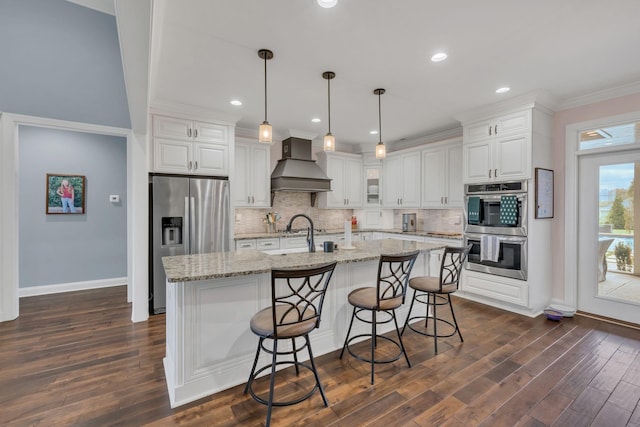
(310, 243)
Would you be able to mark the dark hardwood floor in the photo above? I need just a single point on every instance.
(76, 359)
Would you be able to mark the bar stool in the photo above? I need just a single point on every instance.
(441, 288)
(297, 297)
(386, 296)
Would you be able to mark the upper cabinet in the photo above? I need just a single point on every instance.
(251, 179)
(345, 171)
(442, 176)
(190, 147)
(401, 180)
(498, 149)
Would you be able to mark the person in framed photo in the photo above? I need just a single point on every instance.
(66, 193)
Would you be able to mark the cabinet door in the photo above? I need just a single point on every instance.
(210, 159)
(207, 132)
(260, 177)
(410, 180)
(512, 157)
(392, 181)
(241, 178)
(513, 123)
(353, 182)
(172, 156)
(336, 198)
(454, 194)
(478, 131)
(433, 170)
(476, 162)
(170, 127)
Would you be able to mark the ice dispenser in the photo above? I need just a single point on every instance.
(171, 231)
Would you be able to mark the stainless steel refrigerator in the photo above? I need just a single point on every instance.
(189, 215)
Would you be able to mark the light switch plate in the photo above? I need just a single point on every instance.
(114, 198)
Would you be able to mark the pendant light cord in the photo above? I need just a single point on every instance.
(379, 118)
(329, 97)
(265, 87)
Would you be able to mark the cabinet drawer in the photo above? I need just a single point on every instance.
(293, 242)
(496, 287)
(266, 244)
(243, 245)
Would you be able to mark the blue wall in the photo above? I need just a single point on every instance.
(69, 248)
(61, 61)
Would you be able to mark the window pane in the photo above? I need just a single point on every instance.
(614, 135)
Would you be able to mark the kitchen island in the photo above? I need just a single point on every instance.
(212, 297)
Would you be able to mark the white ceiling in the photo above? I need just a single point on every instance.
(204, 53)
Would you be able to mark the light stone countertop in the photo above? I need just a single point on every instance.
(434, 234)
(186, 268)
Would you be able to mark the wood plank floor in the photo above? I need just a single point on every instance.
(76, 359)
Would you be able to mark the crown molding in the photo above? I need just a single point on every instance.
(428, 139)
(192, 112)
(601, 95)
(538, 98)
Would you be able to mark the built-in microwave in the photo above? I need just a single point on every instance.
(511, 260)
(484, 208)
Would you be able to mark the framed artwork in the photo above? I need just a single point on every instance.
(544, 193)
(65, 194)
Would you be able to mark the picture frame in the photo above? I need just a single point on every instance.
(71, 186)
(544, 193)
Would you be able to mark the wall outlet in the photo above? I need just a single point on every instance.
(238, 217)
(114, 198)
(458, 220)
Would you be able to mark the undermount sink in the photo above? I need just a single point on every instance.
(290, 251)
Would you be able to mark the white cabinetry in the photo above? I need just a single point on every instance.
(401, 180)
(345, 171)
(498, 149)
(190, 147)
(246, 244)
(251, 183)
(442, 176)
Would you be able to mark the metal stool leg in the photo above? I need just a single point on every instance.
(406, 322)
(373, 340)
(315, 371)
(348, 333)
(253, 369)
(435, 324)
(295, 356)
(272, 383)
(393, 313)
(454, 319)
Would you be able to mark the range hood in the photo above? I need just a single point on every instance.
(297, 172)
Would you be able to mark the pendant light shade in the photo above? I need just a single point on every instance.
(381, 151)
(266, 131)
(329, 139)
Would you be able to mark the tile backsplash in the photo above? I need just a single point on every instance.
(437, 220)
(250, 220)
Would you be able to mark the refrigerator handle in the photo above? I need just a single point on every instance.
(192, 229)
(186, 234)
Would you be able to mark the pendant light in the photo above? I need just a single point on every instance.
(381, 151)
(329, 139)
(265, 131)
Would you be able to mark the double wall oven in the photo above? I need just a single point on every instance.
(496, 226)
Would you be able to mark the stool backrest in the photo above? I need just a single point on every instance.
(451, 266)
(393, 276)
(297, 295)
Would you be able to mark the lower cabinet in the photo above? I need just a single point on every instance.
(498, 288)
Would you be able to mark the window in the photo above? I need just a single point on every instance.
(609, 136)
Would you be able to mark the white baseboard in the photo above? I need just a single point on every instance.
(70, 287)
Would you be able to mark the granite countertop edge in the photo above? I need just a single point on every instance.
(434, 234)
(216, 265)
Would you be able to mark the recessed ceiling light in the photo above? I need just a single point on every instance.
(327, 3)
(440, 56)
(316, 120)
(236, 102)
(503, 89)
(373, 132)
